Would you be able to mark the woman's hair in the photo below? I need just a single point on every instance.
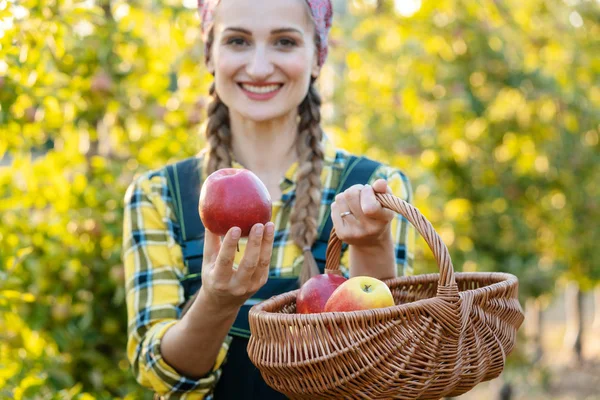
(305, 212)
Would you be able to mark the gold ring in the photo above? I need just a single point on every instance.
(345, 213)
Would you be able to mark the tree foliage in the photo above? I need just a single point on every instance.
(490, 107)
(493, 109)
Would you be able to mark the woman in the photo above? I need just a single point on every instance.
(265, 57)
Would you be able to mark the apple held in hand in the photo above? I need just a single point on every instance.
(234, 197)
(360, 293)
(316, 291)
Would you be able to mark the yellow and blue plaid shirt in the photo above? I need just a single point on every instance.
(154, 265)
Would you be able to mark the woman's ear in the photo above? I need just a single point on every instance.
(316, 69)
(210, 66)
(315, 73)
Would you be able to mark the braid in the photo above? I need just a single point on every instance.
(304, 217)
(218, 134)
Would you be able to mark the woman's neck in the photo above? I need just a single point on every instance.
(267, 148)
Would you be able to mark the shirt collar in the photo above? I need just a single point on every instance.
(288, 180)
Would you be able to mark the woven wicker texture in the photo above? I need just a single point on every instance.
(447, 333)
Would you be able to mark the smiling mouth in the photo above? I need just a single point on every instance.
(261, 89)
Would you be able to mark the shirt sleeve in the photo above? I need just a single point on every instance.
(403, 232)
(153, 269)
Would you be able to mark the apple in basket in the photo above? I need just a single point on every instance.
(316, 291)
(360, 293)
(233, 197)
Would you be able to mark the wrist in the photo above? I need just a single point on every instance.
(384, 241)
(214, 306)
(206, 305)
(376, 260)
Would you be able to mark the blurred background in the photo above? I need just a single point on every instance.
(492, 108)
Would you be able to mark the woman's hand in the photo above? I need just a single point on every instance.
(358, 217)
(362, 222)
(229, 288)
(192, 345)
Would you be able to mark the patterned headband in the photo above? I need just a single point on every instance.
(321, 11)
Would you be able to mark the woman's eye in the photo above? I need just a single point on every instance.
(287, 42)
(236, 41)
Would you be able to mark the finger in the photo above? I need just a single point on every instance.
(340, 206)
(212, 245)
(224, 264)
(266, 250)
(352, 196)
(338, 222)
(373, 208)
(251, 254)
(381, 186)
(341, 224)
(369, 203)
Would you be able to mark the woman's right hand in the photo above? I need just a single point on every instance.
(227, 287)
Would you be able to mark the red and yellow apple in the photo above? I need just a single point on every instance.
(233, 197)
(360, 293)
(316, 291)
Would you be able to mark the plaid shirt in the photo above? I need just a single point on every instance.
(154, 265)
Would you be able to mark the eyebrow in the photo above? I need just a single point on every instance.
(274, 31)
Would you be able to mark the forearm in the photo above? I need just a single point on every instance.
(377, 261)
(192, 345)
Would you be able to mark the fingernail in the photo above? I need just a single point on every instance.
(259, 230)
(270, 229)
(236, 233)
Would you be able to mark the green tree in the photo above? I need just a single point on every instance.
(492, 108)
(90, 94)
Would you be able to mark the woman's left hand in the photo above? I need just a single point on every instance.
(358, 217)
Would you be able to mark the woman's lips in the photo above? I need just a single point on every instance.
(261, 92)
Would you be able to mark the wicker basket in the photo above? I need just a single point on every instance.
(447, 333)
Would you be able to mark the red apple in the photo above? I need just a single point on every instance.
(234, 197)
(316, 291)
(360, 293)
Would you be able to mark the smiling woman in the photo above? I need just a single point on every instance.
(188, 290)
(271, 56)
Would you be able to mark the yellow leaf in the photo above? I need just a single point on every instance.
(26, 383)
(429, 158)
(10, 294)
(458, 210)
(16, 295)
(34, 343)
(79, 183)
(25, 251)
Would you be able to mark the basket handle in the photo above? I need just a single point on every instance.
(446, 285)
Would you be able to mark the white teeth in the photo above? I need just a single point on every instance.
(260, 89)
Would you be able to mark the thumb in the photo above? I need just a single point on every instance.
(212, 245)
(381, 186)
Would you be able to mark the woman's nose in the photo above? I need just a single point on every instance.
(260, 65)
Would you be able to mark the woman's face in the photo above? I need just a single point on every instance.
(263, 55)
